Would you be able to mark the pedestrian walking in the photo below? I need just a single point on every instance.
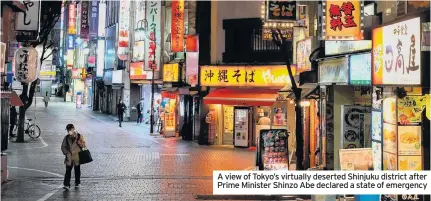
(138, 109)
(46, 99)
(72, 144)
(121, 107)
(12, 115)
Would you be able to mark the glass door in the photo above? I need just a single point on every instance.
(241, 127)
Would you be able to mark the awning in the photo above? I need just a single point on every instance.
(245, 97)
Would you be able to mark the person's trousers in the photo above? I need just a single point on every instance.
(11, 127)
(46, 104)
(139, 120)
(120, 118)
(68, 175)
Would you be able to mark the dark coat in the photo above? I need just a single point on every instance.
(120, 108)
(12, 115)
(66, 145)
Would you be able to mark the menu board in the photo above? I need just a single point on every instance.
(410, 163)
(377, 155)
(409, 140)
(376, 126)
(410, 109)
(390, 138)
(389, 161)
(389, 110)
(356, 159)
(228, 119)
(273, 149)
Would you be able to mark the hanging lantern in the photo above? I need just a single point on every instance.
(26, 64)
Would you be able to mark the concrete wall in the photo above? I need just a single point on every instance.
(343, 95)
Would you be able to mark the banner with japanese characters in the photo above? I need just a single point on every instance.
(153, 44)
(245, 76)
(177, 26)
(71, 24)
(26, 64)
(94, 13)
(27, 22)
(84, 19)
(343, 20)
(123, 30)
(396, 58)
(280, 10)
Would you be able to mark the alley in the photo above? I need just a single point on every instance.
(128, 162)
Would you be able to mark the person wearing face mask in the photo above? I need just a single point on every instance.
(71, 146)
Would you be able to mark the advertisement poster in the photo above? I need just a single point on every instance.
(333, 71)
(354, 129)
(343, 20)
(273, 149)
(377, 95)
(410, 109)
(409, 140)
(123, 25)
(228, 119)
(303, 51)
(389, 110)
(389, 161)
(377, 155)
(356, 159)
(410, 163)
(389, 138)
(396, 53)
(376, 126)
(360, 69)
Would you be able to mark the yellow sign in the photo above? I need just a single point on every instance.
(245, 76)
(170, 73)
(410, 109)
(343, 20)
(47, 73)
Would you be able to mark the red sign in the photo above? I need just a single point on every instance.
(137, 71)
(192, 43)
(71, 29)
(170, 95)
(177, 26)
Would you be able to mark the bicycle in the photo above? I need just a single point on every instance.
(31, 130)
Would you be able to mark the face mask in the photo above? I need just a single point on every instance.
(71, 132)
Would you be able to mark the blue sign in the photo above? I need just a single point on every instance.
(70, 42)
(94, 14)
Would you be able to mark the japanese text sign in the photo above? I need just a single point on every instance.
(71, 24)
(152, 51)
(137, 71)
(170, 73)
(303, 51)
(281, 10)
(410, 109)
(84, 19)
(177, 26)
(94, 13)
(124, 23)
(343, 47)
(342, 20)
(286, 33)
(26, 64)
(360, 69)
(192, 43)
(244, 76)
(333, 71)
(29, 19)
(396, 54)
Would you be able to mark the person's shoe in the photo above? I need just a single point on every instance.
(66, 188)
(76, 185)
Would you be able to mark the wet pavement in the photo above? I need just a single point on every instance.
(129, 164)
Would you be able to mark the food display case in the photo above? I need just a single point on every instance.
(273, 151)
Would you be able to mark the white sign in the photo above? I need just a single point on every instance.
(117, 77)
(192, 68)
(100, 58)
(153, 48)
(26, 64)
(29, 20)
(2, 58)
(333, 71)
(303, 51)
(102, 20)
(123, 30)
(342, 47)
(360, 69)
(396, 53)
(139, 36)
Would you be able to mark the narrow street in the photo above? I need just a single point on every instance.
(129, 164)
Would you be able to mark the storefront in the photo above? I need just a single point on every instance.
(169, 113)
(243, 101)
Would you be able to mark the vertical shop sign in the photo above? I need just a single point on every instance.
(139, 34)
(101, 20)
(177, 26)
(124, 22)
(192, 65)
(396, 58)
(26, 64)
(343, 20)
(71, 24)
(70, 42)
(281, 10)
(303, 51)
(425, 43)
(170, 73)
(152, 51)
(27, 22)
(94, 12)
(100, 60)
(84, 19)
